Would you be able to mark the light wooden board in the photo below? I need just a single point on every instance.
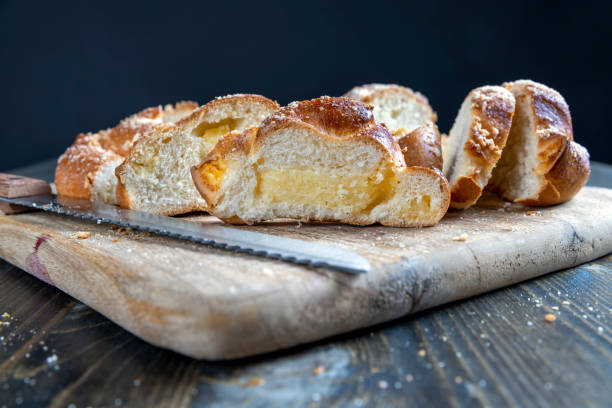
(213, 304)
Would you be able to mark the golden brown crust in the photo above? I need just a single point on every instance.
(334, 118)
(77, 167)
(491, 110)
(421, 147)
(370, 92)
(562, 164)
(465, 192)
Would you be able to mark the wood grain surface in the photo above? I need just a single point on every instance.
(214, 304)
(492, 350)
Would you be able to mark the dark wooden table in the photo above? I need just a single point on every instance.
(492, 350)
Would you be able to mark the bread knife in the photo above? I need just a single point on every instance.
(36, 194)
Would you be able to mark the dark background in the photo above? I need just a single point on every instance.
(67, 67)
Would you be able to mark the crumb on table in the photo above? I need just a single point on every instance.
(462, 237)
(81, 235)
(254, 382)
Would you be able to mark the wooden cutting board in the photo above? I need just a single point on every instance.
(213, 304)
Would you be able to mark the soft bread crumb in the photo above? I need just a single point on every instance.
(550, 318)
(318, 370)
(81, 235)
(462, 237)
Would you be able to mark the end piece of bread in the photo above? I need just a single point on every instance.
(541, 164)
(325, 159)
(87, 168)
(401, 109)
(422, 147)
(155, 175)
(476, 141)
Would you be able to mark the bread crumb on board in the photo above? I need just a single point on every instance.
(81, 235)
(462, 237)
(318, 370)
(421, 353)
(254, 382)
(550, 318)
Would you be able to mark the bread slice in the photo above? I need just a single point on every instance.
(476, 141)
(324, 159)
(155, 174)
(541, 164)
(87, 168)
(401, 109)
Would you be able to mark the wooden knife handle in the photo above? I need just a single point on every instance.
(12, 186)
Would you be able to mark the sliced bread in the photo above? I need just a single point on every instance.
(401, 109)
(155, 175)
(325, 159)
(476, 141)
(541, 164)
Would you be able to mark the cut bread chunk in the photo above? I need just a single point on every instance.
(476, 141)
(87, 168)
(401, 109)
(541, 164)
(324, 159)
(155, 174)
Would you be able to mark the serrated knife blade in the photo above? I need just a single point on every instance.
(232, 239)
